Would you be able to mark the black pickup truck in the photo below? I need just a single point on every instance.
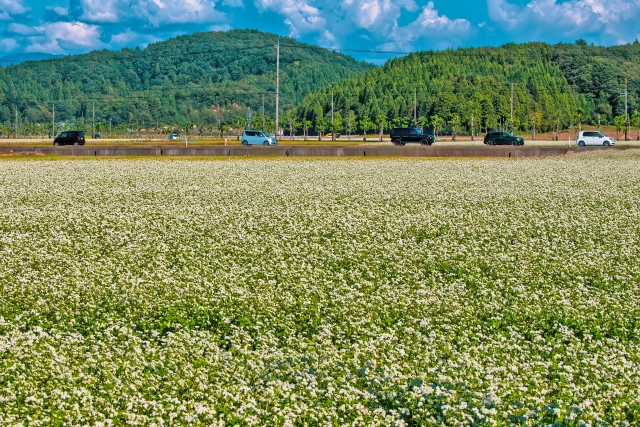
(401, 136)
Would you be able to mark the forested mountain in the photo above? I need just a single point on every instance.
(597, 75)
(199, 78)
(207, 78)
(553, 86)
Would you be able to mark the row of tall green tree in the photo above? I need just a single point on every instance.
(471, 90)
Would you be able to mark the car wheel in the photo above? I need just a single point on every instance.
(424, 142)
(265, 143)
(581, 143)
(56, 144)
(489, 142)
(245, 143)
(75, 143)
(606, 143)
(397, 142)
(514, 142)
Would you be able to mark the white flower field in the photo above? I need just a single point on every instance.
(382, 292)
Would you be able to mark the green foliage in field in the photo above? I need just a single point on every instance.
(371, 293)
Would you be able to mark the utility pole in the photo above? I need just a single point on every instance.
(473, 127)
(15, 128)
(333, 128)
(53, 120)
(415, 107)
(511, 125)
(109, 126)
(93, 123)
(626, 107)
(218, 114)
(277, 83)
(263, 111)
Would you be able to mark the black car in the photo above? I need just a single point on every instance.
(69, 137)
(401, 136)
(502, 138)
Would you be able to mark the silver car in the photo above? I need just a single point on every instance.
(257, 137)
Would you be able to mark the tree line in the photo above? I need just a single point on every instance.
(211, 79)
(205, 78)
(471, 90)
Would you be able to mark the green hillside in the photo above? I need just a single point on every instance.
(178, 80)
(553, 86)
(205, 78)
(597, 75)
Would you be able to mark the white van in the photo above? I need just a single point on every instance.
(257, 137)
(594, 138)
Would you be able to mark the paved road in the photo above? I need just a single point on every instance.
(304, 151)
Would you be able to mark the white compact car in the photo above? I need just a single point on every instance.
(594, 138)
(257, 137)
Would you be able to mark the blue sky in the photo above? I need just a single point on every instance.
(76, 26)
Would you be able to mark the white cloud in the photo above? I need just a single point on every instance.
(155, 12)
(614, 20)
(429, 21)
(161, 12)
(11, 8)
(104, 11)
(376, 15)
(88, 24)
(23, 30)
(429, 26)
(334, 21)
(58, 37)
(128, 37)
(327, 35)
(8, 44)
(301, 17)
(60, 11)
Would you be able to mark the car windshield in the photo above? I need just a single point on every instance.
(601, 135)
(508, 134)
(262, 134)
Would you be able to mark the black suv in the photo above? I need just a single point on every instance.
(69, 137)
(401, 136)
(502, 138)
